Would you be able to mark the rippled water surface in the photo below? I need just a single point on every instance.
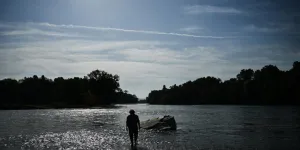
(199, 127)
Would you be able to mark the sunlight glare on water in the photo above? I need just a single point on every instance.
(75, 140)
(199, 127)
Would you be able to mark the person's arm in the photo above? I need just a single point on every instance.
(139, 124)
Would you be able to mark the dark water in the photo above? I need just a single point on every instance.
(199, 127)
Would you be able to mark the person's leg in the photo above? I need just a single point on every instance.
(136, 134)
(131, 137)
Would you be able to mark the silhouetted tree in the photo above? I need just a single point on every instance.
(97, 88)
(125, 97)
(103, 86)
(245, 75)
(164, 88)
(268, 85)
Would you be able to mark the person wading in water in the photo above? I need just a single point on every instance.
(133, 125)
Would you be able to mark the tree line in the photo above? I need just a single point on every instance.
(267, 86)
(97, 88)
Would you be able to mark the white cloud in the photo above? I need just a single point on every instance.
(153, 55)
(143, 65)
(47, 29)
(199, 9)
(270, 29)
(128, 30)
(191, 29)
(20, 32)
(140, 64)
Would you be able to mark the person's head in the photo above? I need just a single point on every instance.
(131, 111)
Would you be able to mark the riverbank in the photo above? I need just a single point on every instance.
(25, 107)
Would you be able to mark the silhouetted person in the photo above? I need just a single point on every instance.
(133, 125)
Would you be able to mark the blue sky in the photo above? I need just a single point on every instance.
(147, 43)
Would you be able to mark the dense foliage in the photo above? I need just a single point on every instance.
(97, 88)
(268, 85)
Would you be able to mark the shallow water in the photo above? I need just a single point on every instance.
(199, 127)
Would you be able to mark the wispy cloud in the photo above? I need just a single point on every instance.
(159, 62)
(199, 9)
(269, 29)
(132, 60)
(129, 30)
(20, 32)
(33, 28)
(191, 29)
(51, 54)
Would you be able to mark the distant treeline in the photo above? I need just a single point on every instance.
(267, 86)
(97, 88)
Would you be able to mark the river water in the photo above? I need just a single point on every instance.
(199, 127)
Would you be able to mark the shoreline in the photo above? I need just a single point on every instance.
(32, 107)
(116, 106)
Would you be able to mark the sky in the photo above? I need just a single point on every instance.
(147, 43)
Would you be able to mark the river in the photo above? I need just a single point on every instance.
(199, 127)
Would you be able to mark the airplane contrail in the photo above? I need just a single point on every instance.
(130, 30)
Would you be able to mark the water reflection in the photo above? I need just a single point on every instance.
(199, 127)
